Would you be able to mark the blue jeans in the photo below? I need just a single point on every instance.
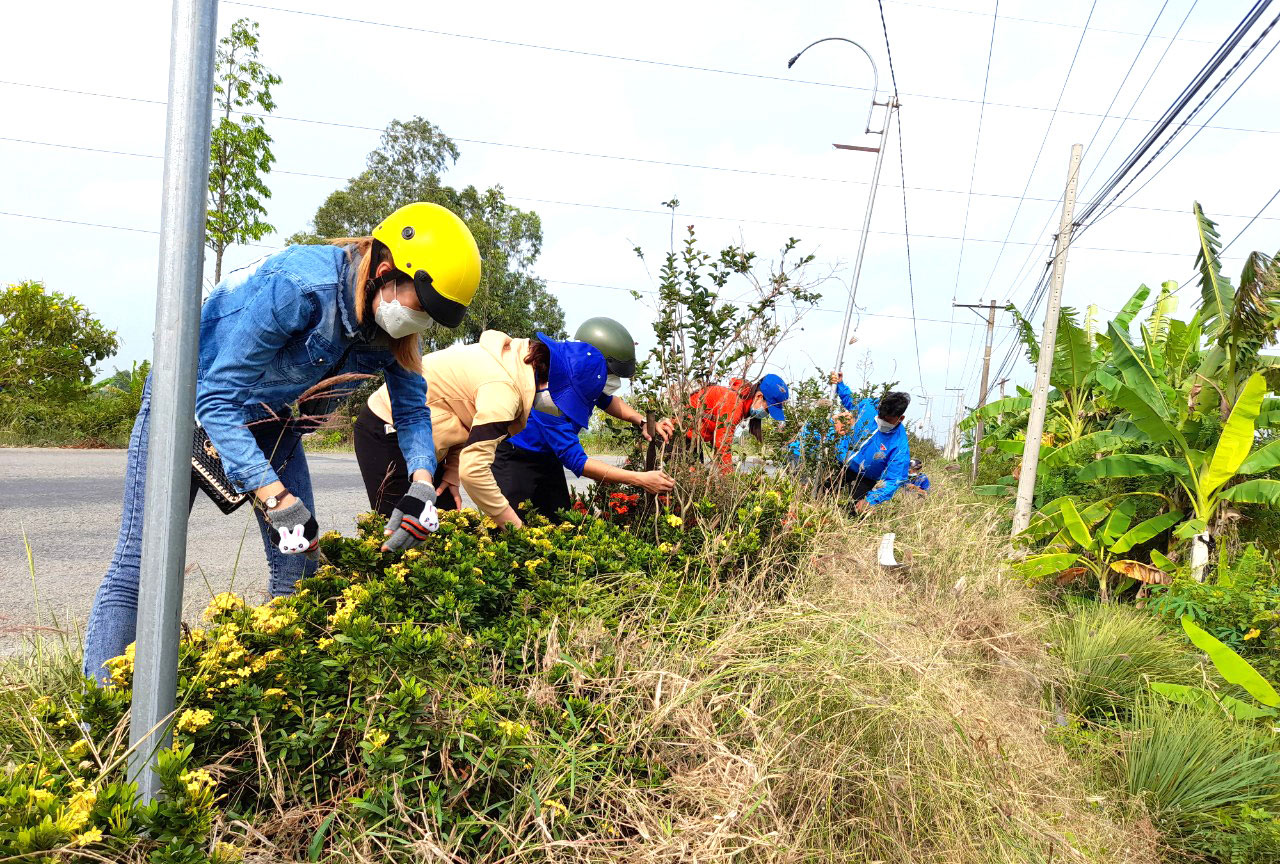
(113, 620)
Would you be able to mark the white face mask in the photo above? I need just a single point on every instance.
(611, 384)
(398, 320)
(885, 426)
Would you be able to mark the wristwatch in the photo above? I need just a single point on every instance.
(271, 502)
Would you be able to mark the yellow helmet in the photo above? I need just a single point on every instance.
(435, 248)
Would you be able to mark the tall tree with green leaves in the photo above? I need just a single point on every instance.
(240, 155)
(407, 167)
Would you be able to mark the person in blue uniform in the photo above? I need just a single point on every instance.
(917, 480)
(876, 464)
(531, 465)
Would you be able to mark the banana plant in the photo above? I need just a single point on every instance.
(1082, 542)
(1203, 476)
(1238, 322)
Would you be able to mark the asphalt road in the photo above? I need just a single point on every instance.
(64, 507)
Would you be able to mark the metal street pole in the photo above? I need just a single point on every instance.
(173, 384)
(890, 106)
(1040, 395)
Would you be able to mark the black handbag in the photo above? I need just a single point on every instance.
(210, 476)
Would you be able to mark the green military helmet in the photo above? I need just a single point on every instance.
(613, 341)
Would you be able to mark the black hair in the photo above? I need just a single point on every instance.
(894, 404)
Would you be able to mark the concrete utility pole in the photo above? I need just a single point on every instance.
(890, 105)
(952, 451)
(173, 384)
(981, 428)
(1040, 395)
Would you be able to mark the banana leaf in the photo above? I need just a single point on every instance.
(1026, 333)
(992, 410)
(1085, 445)
(1230, 665)
(1072, 358)
(1133, 465)
(1181, 347)
(1146, 530)
(1190, 528)
(1254, 492)
(1263, 459)
(1236, 439)
(1118, 522)
(1124, 320)
(1036, 566)
(1216, 292)
(1202, 698)
(1074, 525)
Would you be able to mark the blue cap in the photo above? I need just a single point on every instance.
(577, 377)
(775, 392)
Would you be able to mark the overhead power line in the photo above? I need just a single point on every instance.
(1133, 165)
(1137, 97)
(1063, 24)
(1181, 211)
(973, 170)
(1043, 141)
(1048, 221)
(934, 96)
(1153, 175)
(663, 213)
(906, 223)
(737, 73)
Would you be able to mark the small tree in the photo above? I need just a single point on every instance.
(240, 154)
(49, 344)
(703, 338)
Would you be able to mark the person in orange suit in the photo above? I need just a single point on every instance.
(716, 412)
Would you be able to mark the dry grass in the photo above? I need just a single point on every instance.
(867, 716)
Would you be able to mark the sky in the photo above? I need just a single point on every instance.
(743, 142)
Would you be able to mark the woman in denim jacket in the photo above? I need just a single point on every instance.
(267, 335)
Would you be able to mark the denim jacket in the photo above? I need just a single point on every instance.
(274, 329)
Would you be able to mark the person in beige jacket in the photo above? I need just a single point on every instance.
(479, 395)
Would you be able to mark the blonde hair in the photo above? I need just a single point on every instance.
(407, 349)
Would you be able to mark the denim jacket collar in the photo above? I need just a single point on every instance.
(347, 306)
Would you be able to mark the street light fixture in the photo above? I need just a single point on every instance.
(890, 105)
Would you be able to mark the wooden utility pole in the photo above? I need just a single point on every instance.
(1049, 338)
(980, 429)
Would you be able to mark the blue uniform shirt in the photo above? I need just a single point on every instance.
(875, 455)
(547, 433)
(920, 481)
(808, 442)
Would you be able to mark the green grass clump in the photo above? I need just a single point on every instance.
(1109, 655)
(1213, 783)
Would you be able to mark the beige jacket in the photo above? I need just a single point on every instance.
(478, 395)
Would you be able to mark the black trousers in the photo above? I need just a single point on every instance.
(538, 478)
(382, 465)
(852, 483)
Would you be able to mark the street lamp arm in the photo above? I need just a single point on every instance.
(875, 72)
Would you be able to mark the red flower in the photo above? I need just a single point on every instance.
(579, 507)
